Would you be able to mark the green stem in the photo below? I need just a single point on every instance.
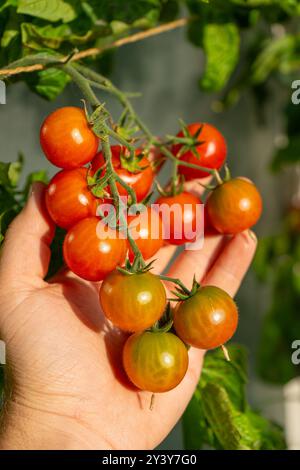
(88, 93)
(82, 84)
(175, 281)
(138, 258)
(107, 85)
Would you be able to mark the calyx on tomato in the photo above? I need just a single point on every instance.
(132, 163)
(97, 183)
(165, 323)
(176, 187)
(189, 141)
(183, 293)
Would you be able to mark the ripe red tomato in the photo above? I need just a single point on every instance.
(147, 231)
(132, 302)
(206, 320)
(66, 138)
(181, 216)
(211, 152)
(92, 250)
(140, 181)
(156, 362)
(234, 206)
(68, 198)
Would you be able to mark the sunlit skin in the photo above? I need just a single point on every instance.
(234, 206)
(69, 390)
(67, 139)
(68, 198)
(92, 250)
(211, 151)
(206, 320)
(183, 223)
(132, 302)
(156, 362)
(148, 233)
(140, 181)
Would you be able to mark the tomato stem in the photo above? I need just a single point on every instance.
(225, 352)
(175, 281)
(105, 132)
(97, 80)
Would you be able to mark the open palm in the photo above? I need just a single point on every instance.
(67, 386)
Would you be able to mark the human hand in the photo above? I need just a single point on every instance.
(66, 386)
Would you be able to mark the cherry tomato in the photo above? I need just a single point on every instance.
(139, 181)
(211, 150)
(66, 138)
(156, 362)
(132, 302)
(92, 250)
(234, 206)
(181, 216)
(206, 320)
(68, 198)
(147, 231)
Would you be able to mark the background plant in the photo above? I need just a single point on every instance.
(246, 44)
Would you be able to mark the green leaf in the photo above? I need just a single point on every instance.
(7, 4)
(53, 10)
(11, 29)
(38, 37)
(40, 175)
(116, 10)
(48, 83)
(52, 37)
(221, 43)
(10, 172)
(219, 416)
(5, 219)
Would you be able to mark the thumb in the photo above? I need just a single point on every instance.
(25, 254)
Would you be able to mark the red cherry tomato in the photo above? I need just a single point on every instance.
(234, 206)
(92, 250)
(181, 216)
(68, 198)
(132, 302)
(147, 231)
(156, 362)
(66, 138)
(140, 181)
(211, 150)
(206, 320)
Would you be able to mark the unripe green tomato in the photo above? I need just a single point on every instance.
(155, 361)
(206, 320)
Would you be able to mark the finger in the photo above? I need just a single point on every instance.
(25, 254)
(162, 258)
(232, 263)
(169, 407)
(192, 263)
(165, 255)
(197, 186)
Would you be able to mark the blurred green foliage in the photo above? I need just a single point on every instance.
(219, 409)
(246, 44)
(218, 27)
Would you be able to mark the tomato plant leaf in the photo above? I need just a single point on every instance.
(48, 83)
(52, 11)
(219, 415)
(221, 43)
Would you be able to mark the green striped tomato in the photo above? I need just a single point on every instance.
(206, 320)
(132, 302)
(155, 361)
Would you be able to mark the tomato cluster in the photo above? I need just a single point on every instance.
(155, 357)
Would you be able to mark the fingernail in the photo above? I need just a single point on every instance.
(252, 235)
